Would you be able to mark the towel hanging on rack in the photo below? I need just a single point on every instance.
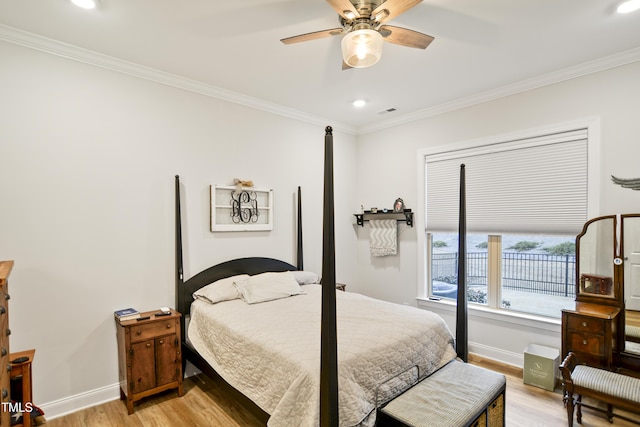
(383, 237)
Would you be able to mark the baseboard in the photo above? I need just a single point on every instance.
(497, 354)
(68, 405)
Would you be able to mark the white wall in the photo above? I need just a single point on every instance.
(87, 164)
(388, 160)
(87, 160)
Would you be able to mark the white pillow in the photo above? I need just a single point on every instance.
(306, 277)
(268, 287)
(220, 290)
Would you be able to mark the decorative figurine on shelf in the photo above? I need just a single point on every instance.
(398, 206)
(240, 183)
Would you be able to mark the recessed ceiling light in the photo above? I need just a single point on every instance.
(629, 6)
(359, 103)
(86, 4)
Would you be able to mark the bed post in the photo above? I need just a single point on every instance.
(461, 311)
(299, 259)
(328, 334)
(179, 266)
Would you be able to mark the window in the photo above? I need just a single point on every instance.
(526, 200)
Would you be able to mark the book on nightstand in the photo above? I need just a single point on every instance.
(126, 314)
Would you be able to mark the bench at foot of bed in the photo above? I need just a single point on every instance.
(616, 390)
(456, 395)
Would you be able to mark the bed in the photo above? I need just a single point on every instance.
(304, 354)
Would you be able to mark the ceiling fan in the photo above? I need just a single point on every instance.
(362, 23)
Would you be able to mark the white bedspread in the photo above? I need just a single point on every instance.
(271, 351)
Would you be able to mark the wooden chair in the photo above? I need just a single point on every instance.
(616, 390)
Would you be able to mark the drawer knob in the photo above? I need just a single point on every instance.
(5, 393)
(148, 345)
(2, 309)
(584, 342)
(161, 341)
(3, 352)
(168, 325)
(584, 324)
(138, 332)
(7, 297)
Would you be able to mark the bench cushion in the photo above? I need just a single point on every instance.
(452, 396)
(607, 382)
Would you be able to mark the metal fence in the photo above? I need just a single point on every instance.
(535, 273)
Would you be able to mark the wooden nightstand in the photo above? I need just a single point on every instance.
(590, 332)
(149, 356)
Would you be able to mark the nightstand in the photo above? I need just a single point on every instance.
(589, 331)
(149, 356)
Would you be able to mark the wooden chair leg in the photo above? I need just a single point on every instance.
(579, 411)
(610, 412)
(568, 403)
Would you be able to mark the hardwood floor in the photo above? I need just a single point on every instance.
(204, 404)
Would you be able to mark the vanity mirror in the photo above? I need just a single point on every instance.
(595, 255)
(605, 323)
(592, 327)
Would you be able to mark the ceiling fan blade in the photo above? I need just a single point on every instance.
(345, 8)
(312, 36)
(405, 37)
(393, 8)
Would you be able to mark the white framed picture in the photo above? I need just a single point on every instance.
(241, 208)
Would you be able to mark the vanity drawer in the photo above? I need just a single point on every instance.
(152, 330)
(586, 343)
(586, 324)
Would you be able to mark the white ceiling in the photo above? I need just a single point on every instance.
(482, 49)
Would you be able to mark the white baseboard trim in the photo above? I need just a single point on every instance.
(507, 357)
(68, 405)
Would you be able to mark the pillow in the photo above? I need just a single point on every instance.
(306, 277)
(220, 290)
(268, 287)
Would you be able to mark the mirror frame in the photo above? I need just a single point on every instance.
(614, 297)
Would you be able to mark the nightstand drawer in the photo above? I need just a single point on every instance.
(586, 343)
(586, 324)
(152, 330)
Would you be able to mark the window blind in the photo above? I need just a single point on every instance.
(532, 185)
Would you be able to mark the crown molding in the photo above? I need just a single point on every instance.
(569, 73)
(86, 56)
(75, 53)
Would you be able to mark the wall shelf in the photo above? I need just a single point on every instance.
(405, 216)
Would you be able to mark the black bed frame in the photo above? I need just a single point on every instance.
(256, 265)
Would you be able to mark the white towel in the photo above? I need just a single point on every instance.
(383, 237)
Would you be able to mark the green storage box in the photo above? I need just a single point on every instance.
(541, 366)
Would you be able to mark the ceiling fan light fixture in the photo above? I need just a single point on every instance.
(362, 48)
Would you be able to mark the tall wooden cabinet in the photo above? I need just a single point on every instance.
(5, 366)
(149, 356)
